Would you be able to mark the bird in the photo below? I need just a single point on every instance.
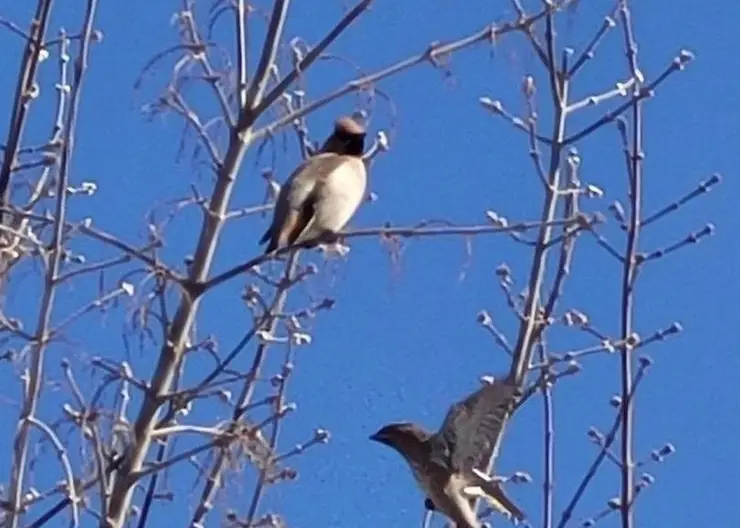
(450, 465)
(323, 193)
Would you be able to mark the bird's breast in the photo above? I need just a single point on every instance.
(341, 194)
(347, 181)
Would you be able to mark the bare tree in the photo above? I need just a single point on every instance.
(133, 422)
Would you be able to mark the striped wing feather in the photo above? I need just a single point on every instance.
(471, 432)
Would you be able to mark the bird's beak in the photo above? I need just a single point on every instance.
(377, 437)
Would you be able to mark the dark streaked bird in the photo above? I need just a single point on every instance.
(323, 193)
(450, 465)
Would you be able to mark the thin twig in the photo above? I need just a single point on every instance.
(548, 486)
(703, 188)
(588, 52)
(36, 372)
(415, 232)
(258, 84)
(258, 107)
(433, 52)
(609, 439)
(22, 98)
(644, 92)
(242, 51)
(243, 403)
(634, 159)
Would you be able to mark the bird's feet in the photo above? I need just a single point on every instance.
(332, 244)
(329, 237)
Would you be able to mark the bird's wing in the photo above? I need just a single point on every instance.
(472, 430)
(295, 205)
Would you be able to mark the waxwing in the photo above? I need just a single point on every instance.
(323, 193)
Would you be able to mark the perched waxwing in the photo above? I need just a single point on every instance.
(450, 465)
(323, 193)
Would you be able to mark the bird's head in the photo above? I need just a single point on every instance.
(407, 438)
(348, 138)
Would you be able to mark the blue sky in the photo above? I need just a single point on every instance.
(402, 341)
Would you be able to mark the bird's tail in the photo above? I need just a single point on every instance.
(272, 246)
(493, 493)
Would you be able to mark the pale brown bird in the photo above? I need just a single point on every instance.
(323, 193)
(450, 465)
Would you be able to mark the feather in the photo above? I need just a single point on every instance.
(473, 427)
